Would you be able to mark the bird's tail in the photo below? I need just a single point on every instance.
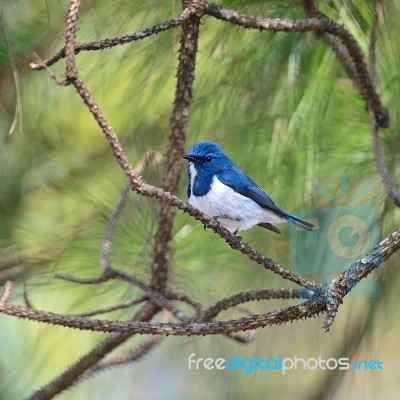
(300, 223)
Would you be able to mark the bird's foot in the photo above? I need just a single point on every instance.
(239, 237)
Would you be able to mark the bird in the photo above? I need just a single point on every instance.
(221, 190)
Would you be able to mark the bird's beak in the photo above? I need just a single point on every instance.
(188, 157)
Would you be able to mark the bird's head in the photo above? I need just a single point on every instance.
(207, 157)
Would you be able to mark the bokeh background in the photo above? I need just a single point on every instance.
(280, 105)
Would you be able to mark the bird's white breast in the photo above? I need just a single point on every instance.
(193, 174)
(234, 211)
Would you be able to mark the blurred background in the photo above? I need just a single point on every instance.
(279, 104)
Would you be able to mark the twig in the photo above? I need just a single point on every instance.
(71, 72)
(320, 298)
(6, 293)
(151, 293)
(150, 156)
(372, 48)
(27, 300)
(75, 371)
(112, 223)
(112, 42)
(112, 273)
(348, 279)
(254, 295)
(171, 295)
(176, 145)
(378, 150)
(337, 45)
(106, 310)
(320, 25)
(292, 313)
(41, 65)
(381, 162)
(132, 356)
(18, 108)
(13, 272)
(147, 157)
(152, 191)
(84, 281)
(245, 338)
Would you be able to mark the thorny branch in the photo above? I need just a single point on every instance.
(158, 295)
(319, 297)
(176, 145)
(320, 25)
(350, 54)
(112, 42)
(383, 169)
(130, 357)
(366, 83)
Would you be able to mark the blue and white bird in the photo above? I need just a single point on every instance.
(223, 191)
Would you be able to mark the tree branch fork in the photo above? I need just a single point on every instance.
(157, 295)
(190, 17)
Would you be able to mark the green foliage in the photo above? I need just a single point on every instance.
(281, 106)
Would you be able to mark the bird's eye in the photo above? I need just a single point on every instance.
(208, 158)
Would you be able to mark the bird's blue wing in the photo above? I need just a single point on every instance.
(242, 184)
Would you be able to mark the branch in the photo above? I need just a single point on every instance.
(109, 43)
(6, 293)
(71, 73)
(70, 376)
(147, 190)
(316, 24)
(338, 47)
(348, 279)
(151, 293)
(125, 304)
(132, 356)
(254, 295)
(151, 191)
(75, 371)
(176, 145)
(320, 296)
(148, 157)
(287, 314)
(172, 295)
(383, 169)
(13, 272)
